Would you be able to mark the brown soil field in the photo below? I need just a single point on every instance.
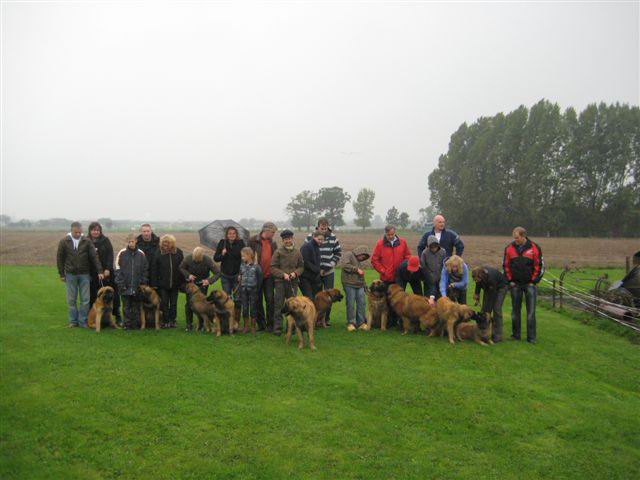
(39, 248)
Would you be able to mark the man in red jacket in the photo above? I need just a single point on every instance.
(523, 267)
(388, 254)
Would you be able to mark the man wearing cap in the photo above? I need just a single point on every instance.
(264, 247)
(410, 271)
(286, 267)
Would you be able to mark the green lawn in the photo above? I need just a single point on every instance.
(171, 404)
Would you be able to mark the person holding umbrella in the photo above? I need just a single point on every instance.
(286, 266)
(228, 254)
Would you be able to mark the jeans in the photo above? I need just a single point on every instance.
(355, 305)
(327, 284)
(168, 304)
(78, 284)
(530, 293)
(266, 291)
(492, 303)
(249, 300)
(228, 285)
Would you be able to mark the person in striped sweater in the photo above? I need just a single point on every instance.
(330, 254)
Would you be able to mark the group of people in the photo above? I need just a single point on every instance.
(261, 275)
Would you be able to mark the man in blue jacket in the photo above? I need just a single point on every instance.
(448, 239)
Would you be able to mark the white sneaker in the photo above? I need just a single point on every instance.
(364, 327)
(351, 327)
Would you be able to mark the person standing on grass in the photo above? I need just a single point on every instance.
(448, 239)
(75, 257)
(330, 253)
(132, 270)
(264, 247)
(249, 281)
(286, 267)
(454, 279)
(310, 280)
(228, 254)
(353, 283)
(523, 268)
(167, 278)
(432, 261)
(104, 250)
(495, 287)
(199, 269)
(388, 254)
(148, 242)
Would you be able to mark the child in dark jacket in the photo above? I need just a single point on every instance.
(250, 281)
(132, 270)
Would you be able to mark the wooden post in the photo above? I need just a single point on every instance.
(554, 294)
(561, 284)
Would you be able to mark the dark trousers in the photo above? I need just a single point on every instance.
(131, 310)
(188, 313)
(492, 304)
(94, 286)
(266, 292)
(327, 284)
(249, 301)
(168, 304)
(416, 286)
(283, 290)
(392, 318)
(457, 295)
(310, 288)
(530, 292)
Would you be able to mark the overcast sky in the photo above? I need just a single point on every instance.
(198, 111)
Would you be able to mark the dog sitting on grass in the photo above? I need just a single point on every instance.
(479, 332)
(102, 310)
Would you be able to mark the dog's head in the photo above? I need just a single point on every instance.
(144, 292)
(378, 288)
(393, 289)
(190, 289)
(294, 306)
(218, 297)
(107, 294)
(335, 295)
(481, 319)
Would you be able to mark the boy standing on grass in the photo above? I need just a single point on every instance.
(132, 270)
(76, 254)
(250, 282)
(353, 283)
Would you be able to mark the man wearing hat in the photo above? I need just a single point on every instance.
(264, 247)
(286, 267)
(410, 271)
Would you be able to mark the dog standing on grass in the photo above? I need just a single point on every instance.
(301, 315)
(414, 310)
(378, 308)
(102, 309)
(450, 314)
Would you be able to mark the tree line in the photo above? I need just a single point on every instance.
(556, 173)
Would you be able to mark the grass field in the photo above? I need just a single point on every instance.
(168, 404)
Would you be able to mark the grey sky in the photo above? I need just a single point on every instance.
(198, 111)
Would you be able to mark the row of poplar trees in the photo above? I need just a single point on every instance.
(558, 173)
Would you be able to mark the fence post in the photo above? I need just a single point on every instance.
(554, 294)
(560, 292)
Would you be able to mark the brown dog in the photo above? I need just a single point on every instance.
(102, 309)
(378, 309)
(479, 332)
(414, 310)
(225, 311)
(449, 314)
(301, 315)
(323, 302)
(205, 310)
(149, 304)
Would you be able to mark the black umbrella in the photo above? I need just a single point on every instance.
(211, 234)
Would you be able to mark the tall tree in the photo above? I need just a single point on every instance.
(331, 202)
(363, 207)
(303, 209)
(393, 216)
(403, 220)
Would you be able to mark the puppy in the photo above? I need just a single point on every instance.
(301, 315)
(323, 302)
(414, 310)
(378, 308)
(102, 309)
(449, 314)
(479, 332)
(225, 311)
(149, 303)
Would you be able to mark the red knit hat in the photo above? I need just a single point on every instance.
(413, 264)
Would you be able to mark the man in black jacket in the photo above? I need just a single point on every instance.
(495, 287)
(75, 256)
(310, 280)
(148, 242)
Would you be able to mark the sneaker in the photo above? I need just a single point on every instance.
(351, 327)
(364, 327)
